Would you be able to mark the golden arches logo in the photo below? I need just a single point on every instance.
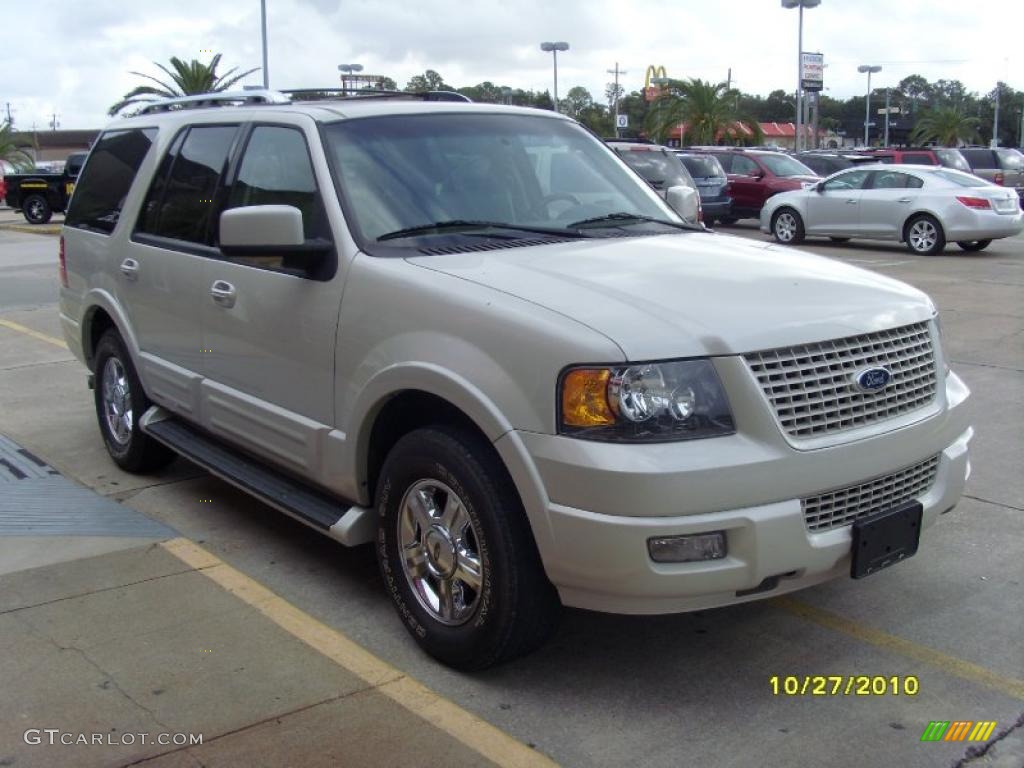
(653, 72)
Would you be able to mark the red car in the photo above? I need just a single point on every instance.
(946, 157)
(755, 175)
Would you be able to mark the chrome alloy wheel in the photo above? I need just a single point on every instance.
(785, 227)
(117, 401)
(922, 235)
(440, 552)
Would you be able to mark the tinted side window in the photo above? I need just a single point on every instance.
(917, 158)
(180, 207)
(894, 180)
(744, 165)
(108, 175)
(726, 161)
(276, 170)
(980, 158)
(846, 181)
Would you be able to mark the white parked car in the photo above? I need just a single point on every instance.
(924, 207)
(469, 334)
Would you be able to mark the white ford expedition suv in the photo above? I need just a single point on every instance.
(470, 335)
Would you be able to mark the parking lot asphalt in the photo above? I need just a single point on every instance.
(608, 690)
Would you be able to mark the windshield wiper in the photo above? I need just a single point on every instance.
(621, 218)
(456, 224)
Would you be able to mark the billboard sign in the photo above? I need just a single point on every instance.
(812, 71)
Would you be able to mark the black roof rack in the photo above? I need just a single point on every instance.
(325, 94)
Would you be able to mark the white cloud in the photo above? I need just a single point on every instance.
(74, 58)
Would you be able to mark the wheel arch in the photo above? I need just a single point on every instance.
(100, 315)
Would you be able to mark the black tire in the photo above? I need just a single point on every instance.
(973, 245)
(36, 210)
(787, 227)
(726, 221)
(515, 609)
(133, 451)
(839, 239)
(929, 241)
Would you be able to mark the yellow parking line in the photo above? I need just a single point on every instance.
(34, 334)
(494, 744)
(949, 664)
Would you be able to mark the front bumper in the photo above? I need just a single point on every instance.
(604, 501)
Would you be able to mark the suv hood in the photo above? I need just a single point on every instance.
(693, 294)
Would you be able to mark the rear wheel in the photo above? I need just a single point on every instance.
(36, 210)
(456, 551)
(924, 235)
(726, 221)
(120, 402)
(973, 245)
(787, 226)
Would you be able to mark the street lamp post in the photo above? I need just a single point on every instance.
(800, 4)
(349, 70)
(554, 48)
(263, 27)
(869, 69)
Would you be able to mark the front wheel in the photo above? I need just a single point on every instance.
(973, 245)
(456, 551)
(36, 210)
(787, 227)
(120, 402)
(924, 235)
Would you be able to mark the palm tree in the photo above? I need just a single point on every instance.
(709, 110)
(188, 78)
(947, 126)
(11, 152)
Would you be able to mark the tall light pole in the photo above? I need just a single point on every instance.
(554, 48)
(800, 4)
(263, 26)
(869, 68)
(348, 69)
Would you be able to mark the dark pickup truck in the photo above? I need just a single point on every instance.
(40, 194)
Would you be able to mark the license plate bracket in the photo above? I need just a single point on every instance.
(885, 538)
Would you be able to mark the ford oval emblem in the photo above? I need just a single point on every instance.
(872, 379)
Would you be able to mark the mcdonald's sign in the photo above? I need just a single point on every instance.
(651, 92)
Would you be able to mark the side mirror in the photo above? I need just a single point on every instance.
(819, 187)
(267, 230)
(685, 201)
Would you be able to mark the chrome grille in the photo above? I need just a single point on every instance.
(811, 386)
(841, 507)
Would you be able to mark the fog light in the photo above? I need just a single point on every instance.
(687, 549)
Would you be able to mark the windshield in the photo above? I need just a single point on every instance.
(784, 165)
(961, 179)
(407, 172)
(951, 158)
(702, 166)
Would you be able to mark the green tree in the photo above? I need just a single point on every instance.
(947, 126)
(11, 151)
(186, 79)
(576, 101)
(708, 109)
(428, 81)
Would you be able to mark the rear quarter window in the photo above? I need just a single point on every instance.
(107, 177)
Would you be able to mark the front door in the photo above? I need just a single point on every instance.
(269, 325)
(834, 209)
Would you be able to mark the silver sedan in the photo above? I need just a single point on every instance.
(924, 207)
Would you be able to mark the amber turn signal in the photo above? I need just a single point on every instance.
(585, 398)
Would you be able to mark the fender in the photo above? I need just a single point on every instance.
(100, 298)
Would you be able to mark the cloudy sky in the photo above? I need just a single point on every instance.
(73, 57)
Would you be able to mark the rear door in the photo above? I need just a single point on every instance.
(887, 198)
(161, 276)
(835, 210)
(269, 323)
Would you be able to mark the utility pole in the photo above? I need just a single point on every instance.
(728, 80)
(995, 122)
(616, 72)
(886, 143)
(54, 125)
(10, 117)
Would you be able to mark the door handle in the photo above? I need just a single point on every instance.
(223, 293)
(851, 202)
(130, 268)
(904, 200)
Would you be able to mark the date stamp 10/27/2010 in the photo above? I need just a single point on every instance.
(844, 685)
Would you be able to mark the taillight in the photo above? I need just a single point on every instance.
(63, 264)
(979, 203)
(999, 178)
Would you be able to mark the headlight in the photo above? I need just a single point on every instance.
(647, 402)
